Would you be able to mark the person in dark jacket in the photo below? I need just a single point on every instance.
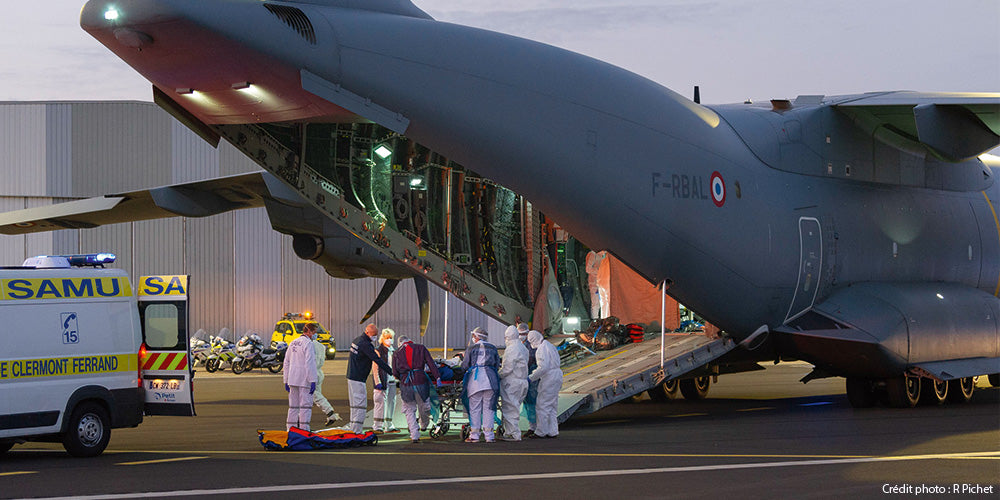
(408, 365)
(359, 367)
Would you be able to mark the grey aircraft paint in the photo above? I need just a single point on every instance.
(754, 215)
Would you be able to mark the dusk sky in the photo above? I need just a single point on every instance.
(733, 49)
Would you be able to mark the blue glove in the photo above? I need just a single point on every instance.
(312, 387)
(379, 387)
(287, 389)
(439, 382)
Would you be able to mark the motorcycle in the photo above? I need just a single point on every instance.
(199, 350)
(222, 351)
(250, 354)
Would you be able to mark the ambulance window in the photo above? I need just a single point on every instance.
(161, 326)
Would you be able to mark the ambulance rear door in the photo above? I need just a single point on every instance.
(165, 361)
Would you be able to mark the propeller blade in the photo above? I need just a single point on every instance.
(383, 295)
(423, 297)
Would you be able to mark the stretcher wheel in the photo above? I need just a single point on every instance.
(466, 431)
(438, 431)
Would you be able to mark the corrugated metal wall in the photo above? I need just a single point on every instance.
(244, 275)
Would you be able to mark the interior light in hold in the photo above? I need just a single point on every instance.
(940, 296)
(184, 91)
(111, 14)
(382, 151)
(572, 320)
(416, 181)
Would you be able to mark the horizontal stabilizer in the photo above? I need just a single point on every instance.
(192, 199)
(958, 368)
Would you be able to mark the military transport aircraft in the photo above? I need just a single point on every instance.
(859, 232)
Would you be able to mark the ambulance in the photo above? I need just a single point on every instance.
(82, 353)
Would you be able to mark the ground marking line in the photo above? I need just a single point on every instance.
(17, 473)
(162, 460)
(757, 409)
(488, 454)
(520, 477)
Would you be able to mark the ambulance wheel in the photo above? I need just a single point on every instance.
(274, 368)
(664, 392)
(88, 432)
(239, 367)
(212, 365)
(994, 379)
(903, 391)
(960, 390)
(466, 432)
(695, 388)
(438, 431)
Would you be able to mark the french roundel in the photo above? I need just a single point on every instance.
(718, 189)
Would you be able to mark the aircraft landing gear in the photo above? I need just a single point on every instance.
(861, 392)
(903, 392)
(933, 392)
(960, 390)
(695, 388)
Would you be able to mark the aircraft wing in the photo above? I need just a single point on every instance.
(193, 199)
(956, 126)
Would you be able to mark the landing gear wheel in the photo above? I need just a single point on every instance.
(994, 379)
(466, 432)
(88, 432)
(933, 392)
(438, 431)
(212, 365)
(695, 388)
(860, 392)
(239, 367)
(274, 368)
(665, 391)
(903, 392)
(960, 390)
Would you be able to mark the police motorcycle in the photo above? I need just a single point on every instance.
(199, 349)
(250, 354)
(222, 351)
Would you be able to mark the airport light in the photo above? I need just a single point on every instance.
(241, 85)
(111, 14)
(382, 151)
(184, 90)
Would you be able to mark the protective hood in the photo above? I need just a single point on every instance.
(535, 338)
(510, 335)
(478, 335)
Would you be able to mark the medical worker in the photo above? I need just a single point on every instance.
(299, 374)
(359, 366)
(481, 385)
(529, 398)
(414, 387)
(384, 393)
(549, 378)
(513, 383)
(318, 398)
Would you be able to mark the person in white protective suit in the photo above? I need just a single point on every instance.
(481, 385)
(549, 378)
(299, 374)
(384, 392)
(318, 398)
(513, 383)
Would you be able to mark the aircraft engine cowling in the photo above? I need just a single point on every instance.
(307, 246)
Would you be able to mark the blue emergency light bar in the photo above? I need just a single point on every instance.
(76, 260)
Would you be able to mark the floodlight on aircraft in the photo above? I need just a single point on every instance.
(382, 151)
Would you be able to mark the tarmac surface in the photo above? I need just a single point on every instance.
(757, 435)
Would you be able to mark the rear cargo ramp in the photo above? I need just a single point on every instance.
(593, 383)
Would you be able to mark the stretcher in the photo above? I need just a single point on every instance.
(296, 439)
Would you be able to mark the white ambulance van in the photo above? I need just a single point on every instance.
(74, 340)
